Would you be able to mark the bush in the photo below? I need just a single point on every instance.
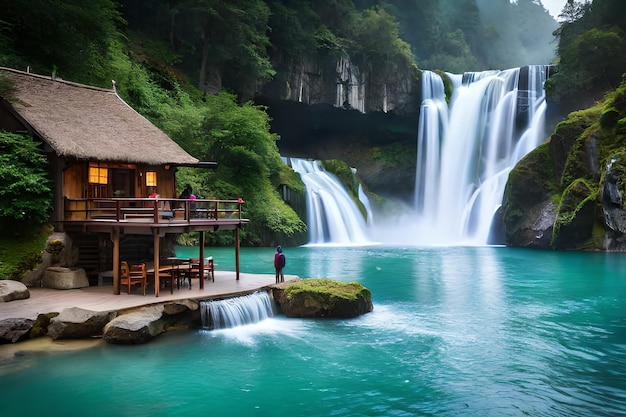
(26, 197)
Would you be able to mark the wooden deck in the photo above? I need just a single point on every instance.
(101, 298)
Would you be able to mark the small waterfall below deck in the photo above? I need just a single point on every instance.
(237, 311)
(332, 216)
(467, 149)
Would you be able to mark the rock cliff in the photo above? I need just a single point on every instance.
(337, 81)
(569, 192)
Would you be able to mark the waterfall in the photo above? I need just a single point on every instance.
(466, 150)
(237, 311)
(332, 215)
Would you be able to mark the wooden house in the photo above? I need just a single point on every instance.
(114, 172)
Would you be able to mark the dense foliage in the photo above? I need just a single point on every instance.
(591, 48)
(471, 35)
(26, 196)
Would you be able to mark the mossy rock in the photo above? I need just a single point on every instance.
(322, 297)
(575, 216)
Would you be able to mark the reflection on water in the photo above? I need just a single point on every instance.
(454, 331)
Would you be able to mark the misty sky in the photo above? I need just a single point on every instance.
(554, 7)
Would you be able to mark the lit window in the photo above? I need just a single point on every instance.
(98, 175)
(151, 179)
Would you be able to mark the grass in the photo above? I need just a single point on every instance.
(21, 252)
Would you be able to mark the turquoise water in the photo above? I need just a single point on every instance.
(470, 331)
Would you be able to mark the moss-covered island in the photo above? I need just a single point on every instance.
(323, 297)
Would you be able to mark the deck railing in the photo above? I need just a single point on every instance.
(150, 210)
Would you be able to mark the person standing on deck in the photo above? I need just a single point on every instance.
(279, 264)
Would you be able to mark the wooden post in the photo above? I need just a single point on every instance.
(157, 284)
(115, 237)
(201, 259)
(237, 252)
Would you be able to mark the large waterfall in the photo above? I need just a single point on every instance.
(332, 215)
(467, 149)
(237, 311)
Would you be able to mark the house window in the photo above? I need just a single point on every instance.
(98, 175)
(151, 179)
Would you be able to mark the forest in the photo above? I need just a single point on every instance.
(195, 68)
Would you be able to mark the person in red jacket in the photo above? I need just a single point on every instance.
(279, 264)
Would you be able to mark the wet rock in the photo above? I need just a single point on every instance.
(14, 329)
(322, 298)
(77, 323)
(146, 323)
(12, 290)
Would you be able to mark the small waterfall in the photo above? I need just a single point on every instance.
(464, 157)
(237, 311)
(332, 215)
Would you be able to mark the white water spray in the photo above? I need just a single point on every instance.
(464, 157)
(236, 311)
(332, 216)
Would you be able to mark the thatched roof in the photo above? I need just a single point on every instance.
(89, 123)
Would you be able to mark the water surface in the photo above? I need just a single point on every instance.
(472, 331)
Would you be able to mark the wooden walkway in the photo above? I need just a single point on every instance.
(101, 298)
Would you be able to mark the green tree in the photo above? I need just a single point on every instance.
(26, 196)
(594, 58)
(238, 138)
(375, 42)
(64, 36)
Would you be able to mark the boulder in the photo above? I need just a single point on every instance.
(322, 298)
(13, 290)
(144, 324)
(77, 323)
(62, 278)
(139, 326)
(15, 329)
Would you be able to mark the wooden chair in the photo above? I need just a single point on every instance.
(135, 275)
(166, 277)
(209, 268)
(194, 271)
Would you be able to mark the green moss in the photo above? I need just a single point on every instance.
(394, 155)
(40, 328)
(578, 196)
(325, 287)
(531, 181)
(290, 178)
(349, 180)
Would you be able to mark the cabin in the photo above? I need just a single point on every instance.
(113, 172)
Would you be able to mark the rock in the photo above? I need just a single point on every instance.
(180, 306)
(77, 323)
(40, 328)
(15, 329)
(59, 252)
(528, 213)
(575, 216)
(612, 202)
(322, 298)
(13, 290)
(62, 278)
(146, 323)
(139, 326)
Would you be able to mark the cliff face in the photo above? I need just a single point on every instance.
(329, 108)
(569, 193)
(337, 81)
